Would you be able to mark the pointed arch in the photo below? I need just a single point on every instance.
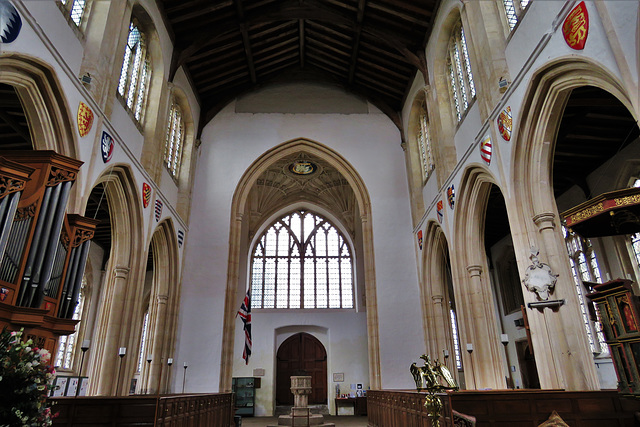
(50, 122)
(472, 285)
(239, 220)
(569, 362)
(163, 305)
(436, 292)
(121, 291)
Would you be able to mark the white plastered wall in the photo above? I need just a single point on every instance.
(371, 144)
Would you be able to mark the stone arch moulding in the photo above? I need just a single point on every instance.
(569, 364)
(121, 292)
(472, 284)
(50, 119)
(44, 102)
(165, 301)
(433, 289)
(235, 236)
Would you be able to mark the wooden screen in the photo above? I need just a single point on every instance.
(301, 354)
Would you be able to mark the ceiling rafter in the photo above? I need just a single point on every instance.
(371, 48)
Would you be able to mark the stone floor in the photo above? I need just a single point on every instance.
(342, 421)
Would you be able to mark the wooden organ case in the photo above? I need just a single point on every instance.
(43, 250)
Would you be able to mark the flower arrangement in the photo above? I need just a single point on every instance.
(25, 375)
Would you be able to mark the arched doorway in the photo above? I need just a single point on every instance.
(301, 354)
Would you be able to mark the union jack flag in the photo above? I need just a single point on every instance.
(245, 316)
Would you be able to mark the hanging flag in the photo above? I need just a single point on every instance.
(485, 150)
(575, 28)
(439, 211)
(85, 119)
(106, 147)
(505, 123)
(158, 209)
(180, 238)
(146, 194)
(245, 316)
(10, 22)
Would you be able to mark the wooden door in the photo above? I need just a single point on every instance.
(301, 354)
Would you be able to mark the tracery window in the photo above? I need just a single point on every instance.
(461, 83)
(513, 10)
(584, 268)
(67, 343)
(135, 73)
(424, 145)
(174, 140)
(74, 9)
(302, 261)
(143, 340)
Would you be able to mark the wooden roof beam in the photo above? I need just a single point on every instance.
(356, 40)
(246, 41)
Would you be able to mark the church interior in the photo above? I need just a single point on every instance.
(207, 197)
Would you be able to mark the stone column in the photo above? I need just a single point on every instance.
(109, 365)
(154, 382)
(560, 344)
(484, 361)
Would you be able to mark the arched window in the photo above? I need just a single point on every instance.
(424, 144)
(584, 267)
(302, 261)
(513, 10)
(74, 10)
(67, 343)
(174, 141)
(135, 73)
(143, 340)
(461, 84)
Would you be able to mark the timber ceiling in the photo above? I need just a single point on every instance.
(369, 47)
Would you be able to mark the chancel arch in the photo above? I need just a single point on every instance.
(544, 154)
(472, 283)
(281, 178)
(120, 293)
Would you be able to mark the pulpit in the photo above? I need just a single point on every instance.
(619, 311)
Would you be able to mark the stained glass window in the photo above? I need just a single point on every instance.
(302, 261)
(584, 268)
(513, 10)
(174, 140)
(424, 144)
(135, 73)
(461, 83)
(75, 10)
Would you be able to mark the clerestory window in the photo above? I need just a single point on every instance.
(424, 145)
(463, 89)
(302, 261)
(74, 10)
(513, 10)
(174, 140)
(135, 73)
